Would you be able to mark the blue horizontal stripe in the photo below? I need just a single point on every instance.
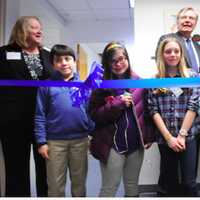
(142, 83)
(36, 83)
(152, 83)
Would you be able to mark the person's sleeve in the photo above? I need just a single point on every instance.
(3, 64)
(91, 124)
(152, 104)
(193, 103)
(105, 109)
(40, 115)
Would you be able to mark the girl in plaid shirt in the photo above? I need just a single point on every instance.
(174, 112)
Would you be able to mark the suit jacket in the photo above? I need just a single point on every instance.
(17, 104)
(181, 39)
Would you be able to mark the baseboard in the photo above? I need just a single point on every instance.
(151, 190)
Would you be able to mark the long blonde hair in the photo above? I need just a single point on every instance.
(161, 63)
(19, 32)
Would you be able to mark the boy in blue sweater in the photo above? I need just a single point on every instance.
(61, 129)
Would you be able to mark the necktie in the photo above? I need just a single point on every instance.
(191, 54)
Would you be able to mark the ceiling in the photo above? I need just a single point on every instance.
(76, 10)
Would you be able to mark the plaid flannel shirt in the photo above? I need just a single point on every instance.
(173, 108)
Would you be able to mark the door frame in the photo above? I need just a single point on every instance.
(2, 21)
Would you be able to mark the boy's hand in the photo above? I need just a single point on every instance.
(44, 151)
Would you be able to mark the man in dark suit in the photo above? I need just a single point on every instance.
(186, 22)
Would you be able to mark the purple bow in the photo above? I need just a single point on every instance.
(81, 95)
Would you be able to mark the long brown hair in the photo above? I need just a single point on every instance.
(107, 56)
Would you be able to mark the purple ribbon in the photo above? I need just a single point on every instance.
(81, 95)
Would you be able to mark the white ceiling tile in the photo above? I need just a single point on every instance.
(72, 10)
(109, 3)
(78, 15)
(112, 14)
(70, 4)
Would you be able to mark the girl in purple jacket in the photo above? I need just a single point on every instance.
(118, 140)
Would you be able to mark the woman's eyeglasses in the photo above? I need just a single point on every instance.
(120, 60)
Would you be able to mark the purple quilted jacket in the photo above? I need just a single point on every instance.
(145, 124)
(105, 113)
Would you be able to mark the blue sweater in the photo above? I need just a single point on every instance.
(56, 118)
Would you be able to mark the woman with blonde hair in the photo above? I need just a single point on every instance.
(184, 72)
(174, 112)
(24, 58)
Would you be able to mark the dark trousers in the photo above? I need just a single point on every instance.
(198, 144)
(40, 171)
(16, 149)
(170, 162)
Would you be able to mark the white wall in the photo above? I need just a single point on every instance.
(12, 13)
(98, 31)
